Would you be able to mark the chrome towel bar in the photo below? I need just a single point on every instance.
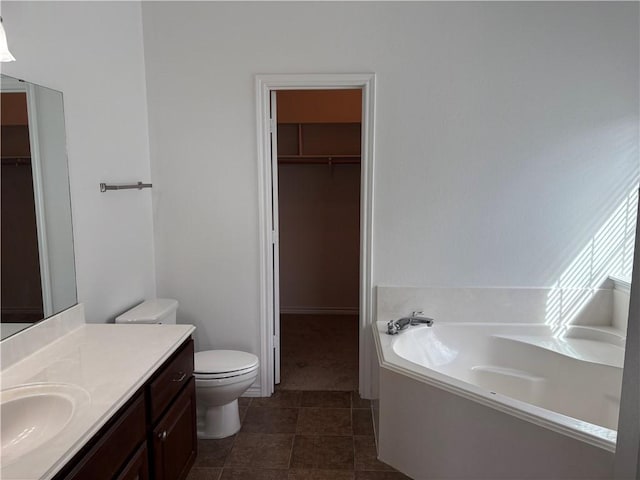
(124, 186)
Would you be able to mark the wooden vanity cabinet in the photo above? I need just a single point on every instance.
(138, 467)
(172, 417)
(170, 379)
(152, 437)
(110, 451)
(174, 437)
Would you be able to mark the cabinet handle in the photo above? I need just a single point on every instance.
(162, 436)
(181, 377)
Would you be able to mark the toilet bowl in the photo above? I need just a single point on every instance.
(221, 375)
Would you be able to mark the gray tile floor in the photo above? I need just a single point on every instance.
(319, 352)
(297, 435)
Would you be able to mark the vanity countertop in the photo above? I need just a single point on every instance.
(111, 362)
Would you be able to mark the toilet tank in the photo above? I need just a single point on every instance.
(159, 310)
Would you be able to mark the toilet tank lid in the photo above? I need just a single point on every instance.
(149, 311)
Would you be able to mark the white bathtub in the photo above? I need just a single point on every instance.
(481, 400)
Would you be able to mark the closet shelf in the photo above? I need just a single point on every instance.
(319, 159)
(16, 160)
(319, 143)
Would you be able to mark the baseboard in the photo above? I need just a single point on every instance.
(319, 310)
(253, 391)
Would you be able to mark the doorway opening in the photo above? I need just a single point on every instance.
(318, 178)
(319, 155)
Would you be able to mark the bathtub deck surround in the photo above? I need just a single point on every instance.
(607, 306)
(520, 381)
(486, 392)
(108, 362)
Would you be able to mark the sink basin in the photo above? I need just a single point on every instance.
(33, 414)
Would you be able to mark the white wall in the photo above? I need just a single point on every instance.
(505, 134)
(93, 53)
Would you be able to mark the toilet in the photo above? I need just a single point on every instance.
(221, 375)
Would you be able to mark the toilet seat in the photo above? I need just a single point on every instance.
(214, 376)
(219, 364)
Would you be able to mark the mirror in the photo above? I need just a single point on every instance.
(38, 268)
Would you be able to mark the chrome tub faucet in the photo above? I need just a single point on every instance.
(416, 318)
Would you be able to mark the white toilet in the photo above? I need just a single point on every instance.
(221, 375)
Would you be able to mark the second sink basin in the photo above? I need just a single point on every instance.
(33, 414)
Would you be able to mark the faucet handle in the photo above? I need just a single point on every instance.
(417, 313)
(392, 328)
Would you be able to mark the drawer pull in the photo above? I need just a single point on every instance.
(181, 377)
(162, 436)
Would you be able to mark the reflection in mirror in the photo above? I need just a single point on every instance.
(38, 269)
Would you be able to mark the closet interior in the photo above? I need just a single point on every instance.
(319, 142)
(20, 279)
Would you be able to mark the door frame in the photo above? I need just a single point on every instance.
(264, 84)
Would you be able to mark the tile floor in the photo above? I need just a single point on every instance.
(319, 352)
(297, 435)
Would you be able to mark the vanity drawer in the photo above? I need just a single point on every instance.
(113, 448)
(170, 381)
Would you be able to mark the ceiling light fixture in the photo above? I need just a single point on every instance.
(5, 54)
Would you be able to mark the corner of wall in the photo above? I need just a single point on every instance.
(621, 299)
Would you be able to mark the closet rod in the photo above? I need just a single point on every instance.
(319, 159)
(124, 186)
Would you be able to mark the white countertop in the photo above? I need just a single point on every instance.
(111, 362)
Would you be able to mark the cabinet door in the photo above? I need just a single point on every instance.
(174, 437)
(110, 453)
(138, 467)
